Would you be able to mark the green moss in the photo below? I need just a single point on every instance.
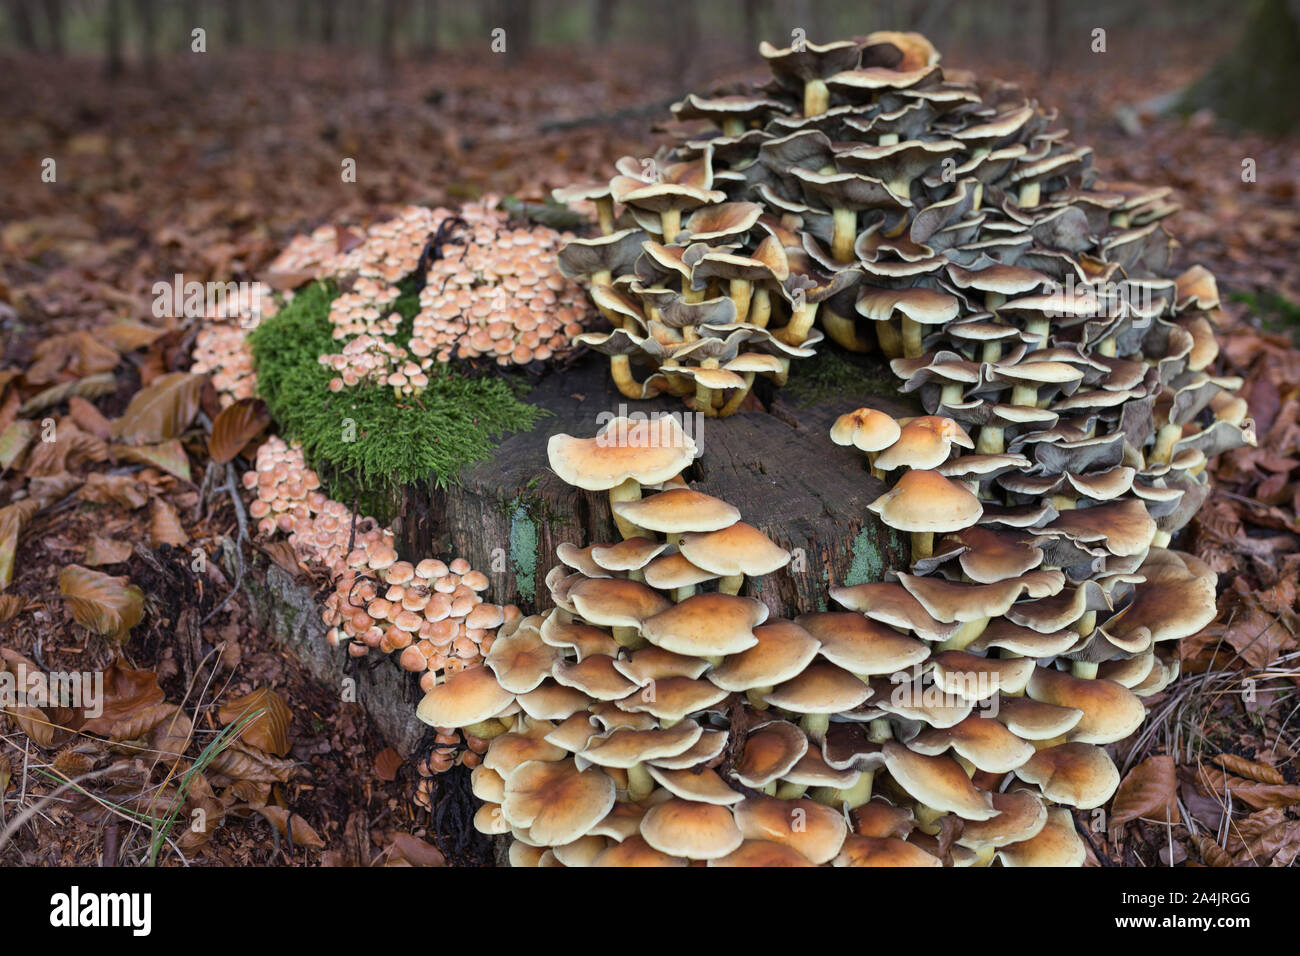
(833, 372)
(868, 563)
(366, 442)
(523, 552)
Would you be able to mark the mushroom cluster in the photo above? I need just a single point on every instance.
(221, 351)
(498, 294)
(287, 491)
(654, 717)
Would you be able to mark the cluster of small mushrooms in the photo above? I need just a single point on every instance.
(221, 350)
(951, 714)
(489, 290)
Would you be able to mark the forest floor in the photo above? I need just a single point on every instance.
(208, 171)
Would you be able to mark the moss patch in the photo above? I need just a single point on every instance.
(832, 373)
(364, 440)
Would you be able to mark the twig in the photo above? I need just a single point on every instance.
(232, 487)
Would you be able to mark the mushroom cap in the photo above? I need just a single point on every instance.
(647, 450)
(704, 786)
(1172, 603)
(762, 853)
(1077, 774)
(988, 744)
(975, 678)
(738, 549)
(672, 698)
(770, 751)
(866, 429)
(937, 782)
(783, 650)
(707, 625)
(883, 851)
(1021, 816)
(695, 830)
(595, 676)
(551, 701)
(960, 601)
(654, 663)
(1035, 720)
(924, 306)
(814, 830)
(993, 556)
(891, 603)
(1056, 844)
(705, 750)
(820, 689)
(626, 747)
(861, 645)
(616, 602)
(555, 801)
(920, 444)
(522, 660)
(1110, 711)
(927, 501)
(678, 510)
(673, 570)
(509, 751)
(631, 554)
(634, 851)
(583, 639)
(469, 697)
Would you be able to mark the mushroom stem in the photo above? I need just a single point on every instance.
(1039, 328)
(733, 404)
(733, 126)
(1161, 539)
(670, 221)
(888, 139)
(962, 637)
(1029, 194)
(922, 545)
(927, 819)
(486, 729)
(629, 490)
(731, 584)
(844, 233)
(815, 725)
(800, 322)
(992, 352)
(912, 335)
(741, 292)
(605, 214)
(849, 797)
(951, 394)
(628, 637)
(844, 332)
(790, 791)
(1026, 395)
(760, 307)
(1084, 669)
(684, 592)
(620, 367)
(891, 343)
(991, 441)
(756, 695)
(1164, 447)
(704, 400)
(1107, 347)
(816, 97)
(1063, 502)
(639, 783)
(880, 730)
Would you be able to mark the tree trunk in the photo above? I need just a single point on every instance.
(602, 21)
(328, 22)
(20, 18)
(146, 13)
(113, 40)
(234, 23)
(778, 467)
(53, 10)
(430, 26)
(682, 37)
(1255, 85)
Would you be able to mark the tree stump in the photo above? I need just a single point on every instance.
(778, 466)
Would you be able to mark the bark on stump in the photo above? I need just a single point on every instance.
(779, 467)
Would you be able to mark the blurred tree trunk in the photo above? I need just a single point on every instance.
(683, 39)
(1050, 48)
(113, 39)
(390, 20)
(1255, 85)
(20, 18)
(430, 26)
(328, 22)
(146, 13)
(751, 30)
(602, 20)
(302, 20)
(53, 10)
(234, 22)
(517, 18)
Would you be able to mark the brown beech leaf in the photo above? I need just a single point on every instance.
(127, 691)
(414, 851)
(92, 386)
(74, 353)
(13, 518)
(169, 456)
(1249, 768)
(88, 418)
(138, 723)
(101, 551)
(161, 411)
(170, 737)
(283, 554)
(1211, 852)
(1148, 791)
(165, 525)
(242, 763)
(1257, 795)
(105, 489)
(127, 336)
(293, 826)
(11, 605)
(107, 605)
(14, 441)
(387, 763)
(269, 730)
(235, 427)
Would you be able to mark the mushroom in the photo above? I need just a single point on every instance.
(923, 502)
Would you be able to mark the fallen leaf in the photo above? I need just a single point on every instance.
(161, 411)
(235, 427)
(101, 551)
(415, 851)
(92, 386)
(1148, 791)
(269, 730)
(293, 826)
(1249, 768)
(126, 691)
(387, 764)
(88, 417)
(244, 764)
(283, 554)
(13, 518)
(169, 456)
(165, 525)
(113, 489)
(11, 605)
(14, 441)
(107, 605)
